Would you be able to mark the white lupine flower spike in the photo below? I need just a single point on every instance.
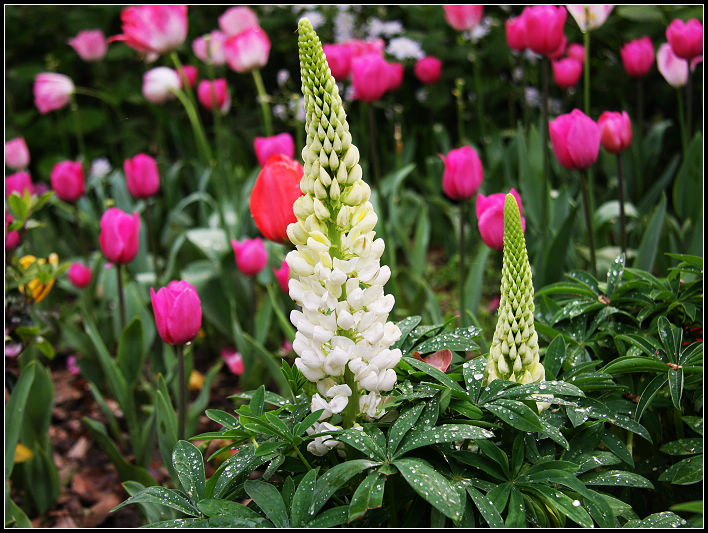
(343, 338)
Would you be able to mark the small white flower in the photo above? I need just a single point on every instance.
(99, 168)
(405, 48)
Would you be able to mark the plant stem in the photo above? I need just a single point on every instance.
(263, 99)
(689, 106)
(77, 128)
(302, 458)
(352, 408)
(544, 143)
(459, 87)
(479, 100)
(199, 135)
(638, 188)
(373, 152)
(80, 230)
(682, 122)
(586, 73)
(620, 186)
(463, 269)
(182, 398)
(121, 299)
(151, 238)
(588, 220)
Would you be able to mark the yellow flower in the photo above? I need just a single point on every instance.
(22, 453)
(196, 380)
(36, 288)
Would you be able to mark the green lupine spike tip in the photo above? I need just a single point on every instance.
(514, 352)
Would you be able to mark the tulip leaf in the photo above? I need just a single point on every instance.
(648, 246)
(16, 405)
(131, 352)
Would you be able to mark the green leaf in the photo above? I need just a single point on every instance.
(227, 420)
(131, 351)
(431, 486)
(473, 372)
(560, 501)
(555, 355)
(438, 434)
(162, 496)
(180, 523)
(531, 391)
(614, 275)
(189, 465)
(257, 400)
(616, 446)
(166, 425)
(616, 478)
(334, 478)
(660, 520)
(683, 447)
(459, 340)
(676, 386)
(486, 508)
(685, 472)
(406, 326)
(646, 254)
(689, 507)
(516, 514)
(330, 518)
(363, 442)
(16, 405)
(233, 469)
(267, 497)
(310, 419)
(404, 423)
(631, 363)
(650, 391)
(368, 495)
(516, 414)
(235, 510)
(695, 423)
(302, 499)
(595, 459)
(482, 463)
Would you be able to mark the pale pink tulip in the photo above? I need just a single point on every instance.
(463, 17)
(159, 84)
(154, 29)
(590, 17)
(210, 47)
(673, 68)
(248, 50)
(91, 45)
(17, 154)
(238, 19)
(52, 91)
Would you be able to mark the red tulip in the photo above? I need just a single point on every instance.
(52, 91)
(251, 255)
(615, 131)
(428, 69)
(575, 138)
(544, 27)
(91, 45)
(463, 173)
(490, 218)
(68, 180)
(339, 59)
(686, 38)
(638, 57)
(463, 17)
(281, 144)
(370, 77)
(153, 28)
(119, 236)
(141, 176)
(220, 92)
(18, 182)
(567, 72)
(248, 50)
(516, 33)
(178, 312)
(274, 193)
(17, 154)
(79, 274)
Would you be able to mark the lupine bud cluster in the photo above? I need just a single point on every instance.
(343, 339)
(514, 352)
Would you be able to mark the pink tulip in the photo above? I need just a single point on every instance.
(119, 238)
(544, 28)
(395, 75)
(339, 59)
(615, 131)
(238, 19)
(251, 255)
(68, 180)
(220, 92)
(464, 17)
(17, 154)
(673, 68)
(428, 69)
(233, 360)
(575, 138)
(248, 50)
(189, 73)
(52, 91)
(558, 52)
(516, 33)
(159, 84)
(91, 45)
(283, 276)
(210, 47)
(566, 72)
(370, 77)
(590, 17)
(154, 29)
(490, 218)
(79, 274)
(12, 238)
(463, 173)
(686, 38)
(71, 366)
(18, 182)
(638, 57)
(281, 144)
(141, 176)
(359, 48)
(178, 312)
(577, 52)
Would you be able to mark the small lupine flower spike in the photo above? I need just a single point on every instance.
(343, 339)
(514, 352)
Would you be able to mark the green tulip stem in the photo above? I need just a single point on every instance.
(459, 89)
(586, 68)
(682, 122)
(121, 299)
(689, 106)
(151, 237)
(373, 152)
(638, 131)
(182, 399)
(77, 127)
(588, 220)
(79, 230)
(544, 143)
(263, 99)
(463, 269)
(623, 222)
(476, 66)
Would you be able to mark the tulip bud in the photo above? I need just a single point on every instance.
(463, 17)
(567, 72)
(237, 19)
(214, 95)
(251, 255)
(12, 239)
(686, 38)
(544, 27)
(370, 77)
(17, 154)
(178, 312)
(248, 50)
(188, 73)
(428, 70)
(275, 145)
(52, 91)
(516, 33)
(673, 68)
(282, 275)
(638, 57)
(159, 84)
(79, 274)
(395, 76)
(463, 173)
(339, 59)
(490, 218)
(68, 180)
(575, 138)
(91, 45)
(210, 48)
(577, 51)
(141, 176)
(119, 238)
(590, 17)
(615, 131)
(233, 360)
(18, 182)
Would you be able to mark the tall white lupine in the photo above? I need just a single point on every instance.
(343, 338)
